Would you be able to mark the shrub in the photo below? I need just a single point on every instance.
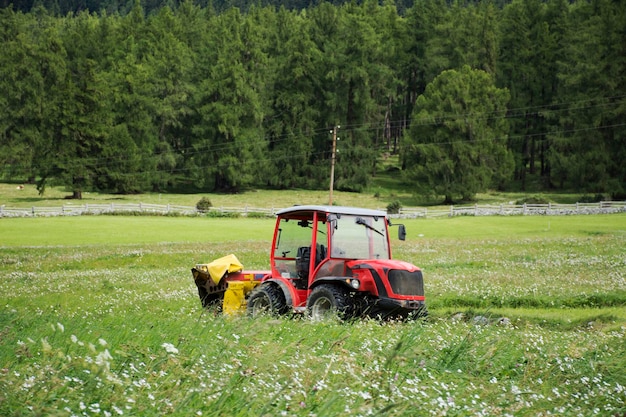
(257, 215)
(394, 207)
(203, 205)
(591, 199)
(223, 214)
(533, 200)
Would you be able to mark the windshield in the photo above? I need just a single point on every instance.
(359, 237)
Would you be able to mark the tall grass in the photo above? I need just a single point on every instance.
(524, 322)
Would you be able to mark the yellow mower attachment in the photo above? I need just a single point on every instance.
(219, 267)
(224, 284)
(237, 293)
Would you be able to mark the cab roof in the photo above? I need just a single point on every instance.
(332, 210)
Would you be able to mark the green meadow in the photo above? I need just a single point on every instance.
(100, 317)
(386, 188)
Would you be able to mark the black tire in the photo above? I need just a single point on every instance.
(329, 300)
(267, 299)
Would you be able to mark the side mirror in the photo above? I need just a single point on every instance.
(401, 232)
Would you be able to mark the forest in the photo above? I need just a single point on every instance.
(467, 95)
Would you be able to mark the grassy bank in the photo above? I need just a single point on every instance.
(100, 317)
(384, 190)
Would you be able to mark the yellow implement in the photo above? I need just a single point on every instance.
(223, 283)
(236, 294)
(219, 267)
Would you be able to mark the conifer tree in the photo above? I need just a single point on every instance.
(456, 146)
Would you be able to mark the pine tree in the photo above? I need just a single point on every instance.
(456, 146)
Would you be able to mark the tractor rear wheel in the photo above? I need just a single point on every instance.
(267, 299)
(329, 300)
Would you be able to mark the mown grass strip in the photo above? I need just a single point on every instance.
(597, 300)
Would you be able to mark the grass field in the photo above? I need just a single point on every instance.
(100, 318)
(384, 190)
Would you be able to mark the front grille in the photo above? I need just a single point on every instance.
(406, 283)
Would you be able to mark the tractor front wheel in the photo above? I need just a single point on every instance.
(267, 299)
(330, 300)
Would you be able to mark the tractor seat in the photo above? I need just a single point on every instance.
(303, 258)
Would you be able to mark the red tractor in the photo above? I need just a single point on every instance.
(324, 259)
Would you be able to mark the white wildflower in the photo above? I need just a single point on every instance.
(45, 345)
(365, 395)
(103, 359)
(169, 348)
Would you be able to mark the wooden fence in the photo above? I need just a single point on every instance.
(550, 209)
(604, 207)
(128, 208)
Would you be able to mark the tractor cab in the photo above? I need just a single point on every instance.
(314, 242)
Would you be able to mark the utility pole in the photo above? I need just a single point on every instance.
(332, 164)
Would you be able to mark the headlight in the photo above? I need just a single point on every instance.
(354, 283)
